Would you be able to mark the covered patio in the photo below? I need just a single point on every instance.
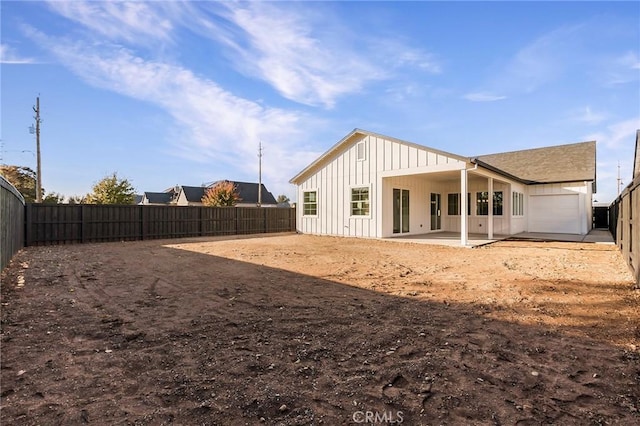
(448, 238)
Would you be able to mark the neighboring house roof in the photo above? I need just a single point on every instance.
(193, 194)
(137, 198)
(561, 163)
(159, 197)
(248, 192)
(636, 161)
(329, 154)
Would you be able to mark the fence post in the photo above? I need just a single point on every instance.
(264, 220)
(83, 223)
(200, 221)
(28, 223)
(142, 223)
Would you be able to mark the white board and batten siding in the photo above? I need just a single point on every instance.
(339, 174)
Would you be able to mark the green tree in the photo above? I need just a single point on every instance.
(282, 199)
(223, 193)
(112, 190)
(53, 198)
(76, 199)
(23, 178)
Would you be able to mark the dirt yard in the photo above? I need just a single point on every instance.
(300, 330)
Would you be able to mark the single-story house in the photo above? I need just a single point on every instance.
(371, 185)
(157, 198)
(248, 191)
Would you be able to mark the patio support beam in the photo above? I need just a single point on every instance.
(490, 211)
(464, 231)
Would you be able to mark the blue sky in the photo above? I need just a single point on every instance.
(169, 93)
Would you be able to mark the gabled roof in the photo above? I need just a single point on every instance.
(562, 163)
(193, 194)
(334, 150)
(248, 192)
(158, 197)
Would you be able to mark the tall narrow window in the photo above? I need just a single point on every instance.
(497, 203)
(360, 202)
(453, 204)
(517, 204)
(361, 151)
(310, 203)
(482, 203)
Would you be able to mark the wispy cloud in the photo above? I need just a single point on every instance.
(623, 69)
(305, 53)
(120, 21)
(616, 145)
(483, 97)
(8, 55)
(620, 134)
(306, 57)
(214, 124)
(278, 46)
(587, 116)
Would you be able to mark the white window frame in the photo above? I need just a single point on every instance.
(359, 216)
(304, 191)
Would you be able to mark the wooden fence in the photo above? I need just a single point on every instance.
(624, 224)
(67, 224)
(11, 221)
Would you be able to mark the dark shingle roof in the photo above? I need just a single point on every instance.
(193, 194)
(159, 197)
(561, 163)
(248, 192)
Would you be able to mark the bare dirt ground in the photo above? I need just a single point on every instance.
(297, 330)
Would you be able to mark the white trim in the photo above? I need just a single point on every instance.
(464, 218)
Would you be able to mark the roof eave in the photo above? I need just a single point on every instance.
(297, 178)
(500, 172)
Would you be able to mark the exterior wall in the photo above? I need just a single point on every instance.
(390, 164)
(584, 191)
(518, 223)
(334, 181)
(478, 224)
(420, 190)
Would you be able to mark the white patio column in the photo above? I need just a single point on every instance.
(490, 212)
(464, 231)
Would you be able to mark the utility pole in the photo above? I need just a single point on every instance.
(619, 180)
(260, 174)
(36, 109)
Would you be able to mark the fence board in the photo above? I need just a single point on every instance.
(11, 221)
(624, 224)
(68, 224)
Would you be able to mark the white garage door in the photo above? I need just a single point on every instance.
(555, 213)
